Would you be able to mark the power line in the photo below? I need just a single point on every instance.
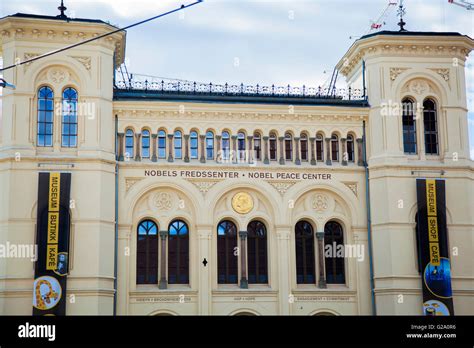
(99, 37)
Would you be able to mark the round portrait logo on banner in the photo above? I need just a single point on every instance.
(46, 293)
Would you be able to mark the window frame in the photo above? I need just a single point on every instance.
(45, 124)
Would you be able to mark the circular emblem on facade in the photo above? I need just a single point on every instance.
(47, 293)
(162, 201)
(242, 203)
(320, 203)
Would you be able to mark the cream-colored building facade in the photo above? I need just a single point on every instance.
(309, 167)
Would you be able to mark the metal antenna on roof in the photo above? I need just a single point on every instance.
(62, 9)
(401, 13)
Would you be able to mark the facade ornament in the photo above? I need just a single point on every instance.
(394, 72)
(129, 182)
(320, 202)
(85, 61)
(162, 201)
(58, 76)
(282, 186)
(203, 186)
(419, 87)
(242, 202)
(352, 186)
(444, 73)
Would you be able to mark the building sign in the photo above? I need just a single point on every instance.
(52, 237)
(433, 247)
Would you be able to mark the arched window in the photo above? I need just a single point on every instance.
(69, 122)
(178, 253)
(147, 253)
(288, 147)
(273, 146)
(257, 253)
(319, 148)
(257, 146)
(430, 123)
(304, 147)
(45, 116)
(161, 144)
(129, 143)
(145, 143)
(227, 271)
(350, 148)
(409, 126)
(334, 236)
(304, 241)
(335, 148)
(241, 145)
(210, 145)
(178, 144)
(225, 145)
(194, 144)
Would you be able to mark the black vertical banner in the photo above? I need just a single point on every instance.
(52, 238)
(433, 247)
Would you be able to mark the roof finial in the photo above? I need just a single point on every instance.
(62, 9)
(401, 13)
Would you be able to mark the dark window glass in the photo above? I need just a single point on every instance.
(194, 145)
(257, 253)
(288, 147)
(350, 148)
(147, 253)
(227, 271)
(178, 145)
(304, 147)
(210, 145)
(409, 127)
(178, 253)
(241, 146)
(69, 124)
(45, 117)
(273, 147)
(335, 148)
(161, 144)
(257, 146)
(129, 143)
(333, 236)
(430, 123)
(304, 240)
(225, 145)
(319, 148)
(145, 144)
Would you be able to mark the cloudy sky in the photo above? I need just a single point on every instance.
(254, 41)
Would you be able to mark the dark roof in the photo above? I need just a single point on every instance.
(411, 33)
(233, 99)
(57, 18)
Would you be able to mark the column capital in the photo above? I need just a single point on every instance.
(312, 139)
(327, 139)
(297, 138)
(265, 138)
(154, 136)
(281, 138)
(170, 136)
(163, 234)
(359, 140)
(343, 139)
(249, 137)
(218, 137)
(243, 234)
(120, 134)
(202, 136)
(186, 136)
(319, 235)
(234, 137)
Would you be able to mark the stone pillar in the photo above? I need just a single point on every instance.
(312, 142)
(322, 278)
(163, 282)
(234, 156)
(120, 140)
(186, 148)
(170, 148)
(266, 149)
(297, 148)
(360, 156)
(204, 269)
(244, 284)
(282, 150)
(328, 152)
(202, 137)
(250, 150)
(138, 147)
(284, 283)
(219, 155)
(153, 142)
(344, 151)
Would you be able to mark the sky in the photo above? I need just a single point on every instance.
(296, 42)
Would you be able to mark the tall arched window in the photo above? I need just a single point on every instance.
(409, 126)
(147, 253)
(257, 253)
(178, 253)
(350, 148)
(288, 147)
(304, 241)
(335, 148)
(334, 236)
(241, 145)
(161, 144)
(45, 116)
(225, 145)
(430, 123)
(129, 143)
(194, 144)
(178, 144)
(319, 148)
(210, 145)
(273, 146)
(304, 147)
(69, 122)
(257, 146)
(227, 271)
(145, 143)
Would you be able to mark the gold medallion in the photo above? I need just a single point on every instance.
(242, 203)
